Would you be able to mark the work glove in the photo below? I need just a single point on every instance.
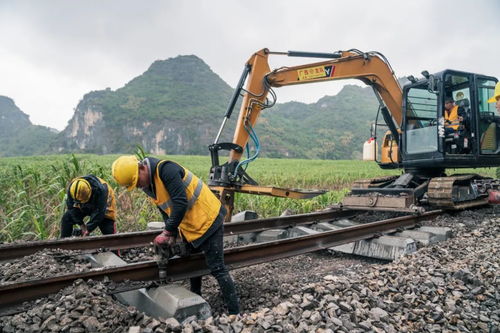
(85, 231)
(166, 238)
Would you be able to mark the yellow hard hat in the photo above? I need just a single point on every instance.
(496, 94)
(125, 171)
(80, 190)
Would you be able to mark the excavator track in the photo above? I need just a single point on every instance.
(455, 192)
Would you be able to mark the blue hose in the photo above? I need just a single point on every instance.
(256, 141)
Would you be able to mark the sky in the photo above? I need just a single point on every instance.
(53, 52)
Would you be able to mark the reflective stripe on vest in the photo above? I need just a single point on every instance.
(186, 183)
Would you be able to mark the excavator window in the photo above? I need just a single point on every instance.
(421, 126)
(457, 129)
(489, 119)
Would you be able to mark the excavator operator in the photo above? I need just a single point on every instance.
(456, 137)
(452, 117)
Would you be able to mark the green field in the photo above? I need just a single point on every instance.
(33, 189)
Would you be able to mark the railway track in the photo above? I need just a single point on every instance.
(138, 239)
(194, 265)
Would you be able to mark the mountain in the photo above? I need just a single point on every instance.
(174, 107)
(18, 136)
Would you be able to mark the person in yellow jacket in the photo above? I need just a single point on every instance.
(189, 208)
(496, 97)
(89, 196)
(452, 116)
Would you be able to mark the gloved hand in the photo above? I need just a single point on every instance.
(165, 238)
(85, 231)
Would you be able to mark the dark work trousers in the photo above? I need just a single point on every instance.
(213, 249)
(75, 216)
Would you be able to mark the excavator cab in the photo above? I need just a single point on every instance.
(431, 140)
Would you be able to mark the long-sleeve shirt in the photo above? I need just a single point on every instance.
(171, 175)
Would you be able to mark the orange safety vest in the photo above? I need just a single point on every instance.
(111, 201)
(203, 206)
(452, 117)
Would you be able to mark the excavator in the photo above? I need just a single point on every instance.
(416, 136)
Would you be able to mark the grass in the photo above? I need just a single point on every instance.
(33, 189)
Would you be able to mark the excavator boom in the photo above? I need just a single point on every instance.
(372, 68)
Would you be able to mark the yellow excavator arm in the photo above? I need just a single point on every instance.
(371, 68)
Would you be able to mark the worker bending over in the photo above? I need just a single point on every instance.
(187, 205)
(89, 196)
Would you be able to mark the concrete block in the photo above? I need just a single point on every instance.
(244, 216)
(180, 302)
(161, 302)
(156, 225)
(344, 223)
(441, 233)
(105, 259)
(271, 235)
(230, 239)
(324, 226)
(425, 238)
(385, 247)
(247, 238)
(344, 248)
(287, 212)
(302, 231)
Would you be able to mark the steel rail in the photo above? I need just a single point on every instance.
(194, 265)
(143, 238)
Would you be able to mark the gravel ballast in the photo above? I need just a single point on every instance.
(447, 287)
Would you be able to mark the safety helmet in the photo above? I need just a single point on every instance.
(496, 94)
(80, 190)
(125, 171)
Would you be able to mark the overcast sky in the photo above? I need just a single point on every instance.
(53, 52)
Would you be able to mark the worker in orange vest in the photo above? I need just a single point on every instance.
(452, 117)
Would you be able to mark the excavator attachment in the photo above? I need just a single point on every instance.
(226, 194)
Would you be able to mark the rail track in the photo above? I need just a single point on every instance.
(138, 239)
(194, 265)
